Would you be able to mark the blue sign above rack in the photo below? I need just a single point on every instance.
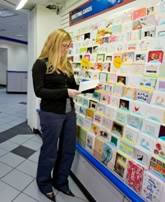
(94, 7)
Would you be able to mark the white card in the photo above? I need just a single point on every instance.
(86, 85)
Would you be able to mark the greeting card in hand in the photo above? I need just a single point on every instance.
(159, 149)
(134, 176)
(90, 141)
(152, 189)
(130, 135)
(120, 165)
(151, 128)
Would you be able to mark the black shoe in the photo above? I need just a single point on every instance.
(50, 196)
(65, 191)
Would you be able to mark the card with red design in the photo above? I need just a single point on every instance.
(134, 176)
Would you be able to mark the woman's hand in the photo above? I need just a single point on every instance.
(72, 92)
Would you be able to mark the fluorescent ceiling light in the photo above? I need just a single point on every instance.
(21, 4)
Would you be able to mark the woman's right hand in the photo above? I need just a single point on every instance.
(72, 92)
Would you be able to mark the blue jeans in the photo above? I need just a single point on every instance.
(59, 158)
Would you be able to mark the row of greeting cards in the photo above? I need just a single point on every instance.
(123, 124)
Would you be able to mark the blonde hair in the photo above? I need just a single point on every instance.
(52, 51)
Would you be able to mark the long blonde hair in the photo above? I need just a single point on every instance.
(52, 51)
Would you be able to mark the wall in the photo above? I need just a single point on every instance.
(42, 21)
(17, 55)
(3, 65)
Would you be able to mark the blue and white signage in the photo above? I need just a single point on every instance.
(93, 7)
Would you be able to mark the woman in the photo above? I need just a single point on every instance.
(54, 83)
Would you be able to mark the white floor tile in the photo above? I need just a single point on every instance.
(36, 138)
(4, 169)
(7, 193)
(8, 146)
(20, 139)
(17, 179)
(12, 160)
(33, 191)
(28, 167)
(24, 198)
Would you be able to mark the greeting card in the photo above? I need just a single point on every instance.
(137, 107)
(153, 188)
(158, 98)
(159, 149)
(82, 137)
(151, 128)
(107, 67)
(157, 166)
(151, 69)
(87, 123)
(93, 104)
(128, 57)
(98, 147)
(120, 164)
(107, 123)
(85, 102)
(114, 101)
(143, 95)
(161, 85)
(95, 129)
(155, 57)
(108, 88)
(122, 80)
(114, 140)
(117, 90)
(134, 176)
(80, 120)
(121, 116)
(105, 97)
(108, 155)
(130, 135)
(101, 108)
(90, 141)
(140, 58)
(104, 133)
(148, 32)
(117, 129)
(139, 13)
(90, 113)
(96, 95)
(142, 157)
(110, 112)
(155, 113)
(126, 148)
(160, 31)
(97, 118)
(112, 78)
(135, 35)
(162, 132)
(129, 92)
(148, 82)
(124, 104)
(146, 142)
(103, 77)
(83, 110)
(135, 121)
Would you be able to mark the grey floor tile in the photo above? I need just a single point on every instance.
(11, 159)
(23, 151)
(7, 193)
(33, 191)
(28, 167)
(17, 179)
(4, 169)
(24, 198)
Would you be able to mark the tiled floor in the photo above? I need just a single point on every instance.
(19, 155)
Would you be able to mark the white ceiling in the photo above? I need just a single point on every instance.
(15, 26)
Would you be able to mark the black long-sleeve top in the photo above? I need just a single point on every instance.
(51, 88)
